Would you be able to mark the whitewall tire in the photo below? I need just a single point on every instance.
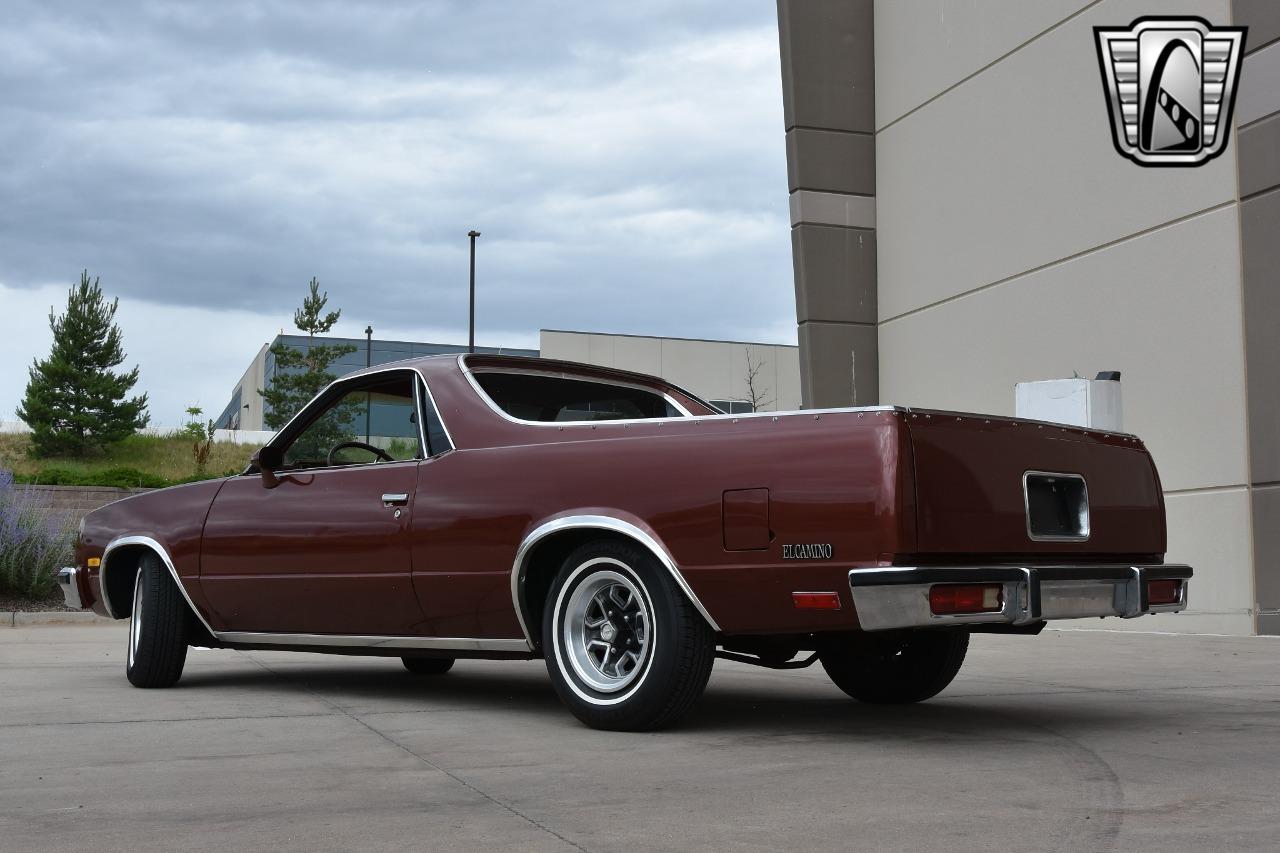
(625, 648)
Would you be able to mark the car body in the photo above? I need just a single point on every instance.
(782, 532)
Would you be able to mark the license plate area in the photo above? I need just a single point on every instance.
(1057, 506)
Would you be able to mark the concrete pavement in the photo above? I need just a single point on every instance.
(1073, 741)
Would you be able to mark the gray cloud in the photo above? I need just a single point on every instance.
(624, 160)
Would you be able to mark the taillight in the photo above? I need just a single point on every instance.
(953, 599)
(1163, 592)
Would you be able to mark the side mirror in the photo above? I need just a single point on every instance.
(266, 460)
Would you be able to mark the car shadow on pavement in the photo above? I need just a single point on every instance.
(995, 717)
(773, 708)
(524, 687)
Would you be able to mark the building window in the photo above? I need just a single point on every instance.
(733, 407)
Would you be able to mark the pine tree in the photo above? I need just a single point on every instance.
(75, 402)
(300, 374)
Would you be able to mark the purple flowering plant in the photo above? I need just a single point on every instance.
(35, 541)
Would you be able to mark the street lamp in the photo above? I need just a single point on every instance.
(471, 338)
(368, 362)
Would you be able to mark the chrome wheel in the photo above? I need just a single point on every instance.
(135, 619)
(607, 631)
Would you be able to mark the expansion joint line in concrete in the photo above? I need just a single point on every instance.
(419, 756)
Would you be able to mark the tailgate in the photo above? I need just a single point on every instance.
(1010, 489)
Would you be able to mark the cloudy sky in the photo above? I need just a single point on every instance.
(624, 162)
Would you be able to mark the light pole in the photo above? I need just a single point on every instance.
(368, 362)
(471, 338)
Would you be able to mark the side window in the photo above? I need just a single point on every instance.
(376, 418)
(437, 439)
(556, 399)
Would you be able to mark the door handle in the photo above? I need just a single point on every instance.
(395, 499)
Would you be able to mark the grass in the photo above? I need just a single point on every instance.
(141, 460)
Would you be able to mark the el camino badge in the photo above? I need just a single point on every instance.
(812, 551)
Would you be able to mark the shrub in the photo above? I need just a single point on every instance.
(124, 478)
(35, 541)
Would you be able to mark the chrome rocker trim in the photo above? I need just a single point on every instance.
(361, 641)
(352, 641)
(599, 522)
(898, 597)
(67, 579)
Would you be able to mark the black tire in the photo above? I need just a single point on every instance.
(661, 647)
(427, 666)
(898, 668)
(157, 647)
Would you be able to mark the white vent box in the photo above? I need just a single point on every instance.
(1093, 403)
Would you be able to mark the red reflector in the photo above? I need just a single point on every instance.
(951, 599)
(816, 600)
(1163, 592)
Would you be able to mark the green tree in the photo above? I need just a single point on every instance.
(300, 374)
(75, 401)
(192, 427)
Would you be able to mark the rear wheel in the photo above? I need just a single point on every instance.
(625, 648)
(427, 666)
(157, 627)
(897, 668)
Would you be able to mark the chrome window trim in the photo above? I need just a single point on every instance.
(163, 554)
(355, 466)
(560, 374)
(598, 522)
(1026, 507)
(431, 398)
(373, 641)
(685, 413)
(420, 417)
(351, 378)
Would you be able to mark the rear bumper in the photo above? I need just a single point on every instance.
(68, 583)
(898, 597)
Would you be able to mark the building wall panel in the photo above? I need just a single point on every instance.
(1164, 309)
(1016, 169)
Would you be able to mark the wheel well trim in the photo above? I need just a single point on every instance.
(161, 552)
(596, 522)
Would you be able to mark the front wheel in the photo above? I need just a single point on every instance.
(157, 627)
(625, 647)
(896, 668)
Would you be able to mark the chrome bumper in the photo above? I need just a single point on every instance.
(70, 588)
(898, 597)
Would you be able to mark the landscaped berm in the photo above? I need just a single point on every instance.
(147, 461)
(36, 538)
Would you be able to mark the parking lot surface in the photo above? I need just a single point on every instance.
(1074, 740)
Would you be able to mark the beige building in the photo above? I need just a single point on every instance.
(717, 371)
(962, 221)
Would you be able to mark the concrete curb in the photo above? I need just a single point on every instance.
(18, 618)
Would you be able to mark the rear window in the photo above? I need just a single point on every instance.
(556, 399)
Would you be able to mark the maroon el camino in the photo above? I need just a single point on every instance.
(629, 533)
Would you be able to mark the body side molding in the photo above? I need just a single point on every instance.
(597, 522)
(365, 641)
(163, 554)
